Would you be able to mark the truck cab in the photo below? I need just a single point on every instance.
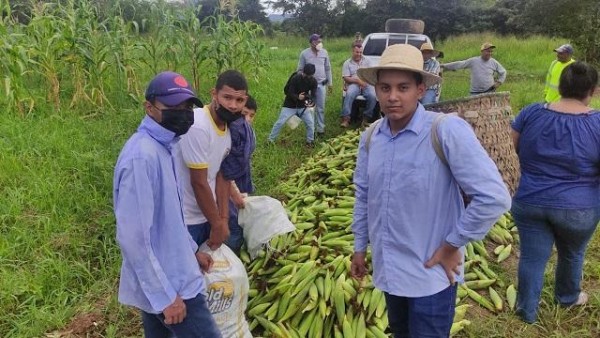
(375, 43)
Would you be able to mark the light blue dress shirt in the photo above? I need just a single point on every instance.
(408, 202)
(159, 259)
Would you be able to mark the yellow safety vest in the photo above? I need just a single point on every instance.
(552, 78)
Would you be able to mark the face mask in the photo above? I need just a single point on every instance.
(226, 115)
(319, 46)
(178, 121)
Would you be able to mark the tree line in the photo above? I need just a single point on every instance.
(578, 21)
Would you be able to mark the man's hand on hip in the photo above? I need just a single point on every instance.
(449, 258)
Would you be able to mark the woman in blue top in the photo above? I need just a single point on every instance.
(558, 199)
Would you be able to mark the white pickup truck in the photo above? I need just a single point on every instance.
(397, 31)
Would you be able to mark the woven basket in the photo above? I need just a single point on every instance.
(489, 115)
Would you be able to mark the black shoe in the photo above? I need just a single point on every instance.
(310, 144)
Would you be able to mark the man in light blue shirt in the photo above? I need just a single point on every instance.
(408, 201)
(160, 274)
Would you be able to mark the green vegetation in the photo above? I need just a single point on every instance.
(69, 105)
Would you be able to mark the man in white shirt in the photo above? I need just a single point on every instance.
(355, 86)
(200, 153)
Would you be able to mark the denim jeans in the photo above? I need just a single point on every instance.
(540, 228)
(198, 323)
(200, 232)
(236, 233)
(285, 114)
(352, 91)
(430, 96)
(320, 96)
(422, 317)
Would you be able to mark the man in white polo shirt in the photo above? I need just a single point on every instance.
(200, 153)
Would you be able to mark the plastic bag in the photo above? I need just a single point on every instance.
(227, 292)
(262, 218)
(293, 122)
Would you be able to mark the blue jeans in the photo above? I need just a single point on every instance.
(285, 114)
(352, 91)
(236, 233)
(320, 96)
(540, 228)
(422, 317)
(198, 323)
(430, 96)
(200, 232)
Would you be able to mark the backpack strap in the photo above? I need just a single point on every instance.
(435, 137)
(370, 131)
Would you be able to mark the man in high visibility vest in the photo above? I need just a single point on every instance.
(564, 57)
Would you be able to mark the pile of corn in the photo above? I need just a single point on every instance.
(300, 284)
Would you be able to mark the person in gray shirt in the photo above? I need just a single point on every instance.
(319, 57)
(487, 74)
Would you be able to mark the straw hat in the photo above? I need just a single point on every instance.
(427, 46)
(399, 57)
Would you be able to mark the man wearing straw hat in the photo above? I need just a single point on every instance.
(408, 198)
(431, 65)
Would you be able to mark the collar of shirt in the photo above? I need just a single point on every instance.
(156, 131)
(415, 124)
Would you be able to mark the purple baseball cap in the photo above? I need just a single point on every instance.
(566, 48)
(314, 37)
(171, 89)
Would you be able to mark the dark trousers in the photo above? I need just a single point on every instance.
(422, 317)
(198, 323)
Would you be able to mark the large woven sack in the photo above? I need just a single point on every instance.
(404, 26)
(490, 116)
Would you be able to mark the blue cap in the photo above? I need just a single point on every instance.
(171, 89)
(566, 48)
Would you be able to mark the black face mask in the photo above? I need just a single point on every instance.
(178, 121)
(226, 115)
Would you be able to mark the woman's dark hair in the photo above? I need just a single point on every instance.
(233, 79)
(577, 80)
(251, 103)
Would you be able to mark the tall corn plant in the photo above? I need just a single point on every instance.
(88, 53)
(46, 48)
(194, 45)
(13, 66)
(15, 94)
(235, 44)
(125, 48)
(160, 45)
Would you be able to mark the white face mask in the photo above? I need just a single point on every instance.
(319, 46)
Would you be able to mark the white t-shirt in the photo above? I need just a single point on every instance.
(204, 146)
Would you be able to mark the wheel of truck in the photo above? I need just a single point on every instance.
(405, 26)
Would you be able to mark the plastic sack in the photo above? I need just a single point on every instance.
(227, 292)
(262, 218)
(293, 122)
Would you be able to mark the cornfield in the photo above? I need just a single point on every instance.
(75, 54)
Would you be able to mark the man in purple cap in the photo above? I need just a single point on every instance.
(161, 270)
(564, 57)
(319, 57)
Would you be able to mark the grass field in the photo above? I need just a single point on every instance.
(59, 262)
